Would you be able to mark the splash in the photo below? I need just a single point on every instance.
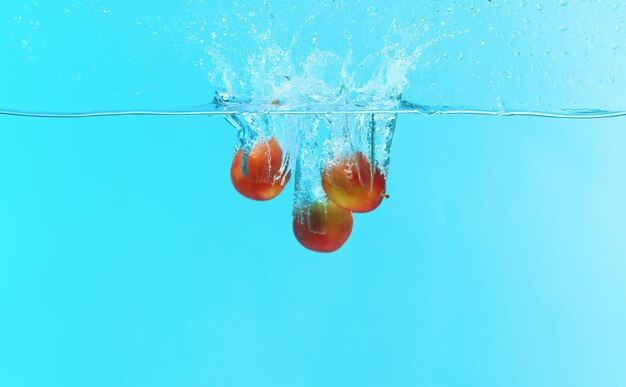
(259, 55)
(279, 71)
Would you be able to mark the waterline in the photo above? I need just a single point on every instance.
(575, 114)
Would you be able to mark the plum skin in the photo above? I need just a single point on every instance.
(326, 228)
(264, 179)
(352, 183)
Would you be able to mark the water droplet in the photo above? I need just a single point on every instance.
(372, 11)
(563, 3)
(539, 7)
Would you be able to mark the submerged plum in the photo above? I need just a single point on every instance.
(354, 183)
(264, 179)
(323, 226)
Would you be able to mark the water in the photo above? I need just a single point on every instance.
(127, 258)
(405, 108)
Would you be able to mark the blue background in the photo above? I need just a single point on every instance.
(127, 259)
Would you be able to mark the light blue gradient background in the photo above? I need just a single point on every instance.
(127, 259)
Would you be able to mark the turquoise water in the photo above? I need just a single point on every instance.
(127, 258)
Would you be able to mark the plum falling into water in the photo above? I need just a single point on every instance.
(340, 164)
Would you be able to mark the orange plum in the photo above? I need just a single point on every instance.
(354, 184)
(264, 179)
(325, 229)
